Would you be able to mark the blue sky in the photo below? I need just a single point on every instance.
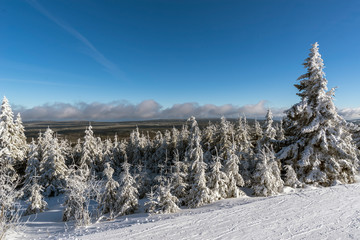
(173, 52)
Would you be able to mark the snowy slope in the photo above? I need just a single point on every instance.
(312, 213)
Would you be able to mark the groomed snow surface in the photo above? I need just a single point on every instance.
(311, 213)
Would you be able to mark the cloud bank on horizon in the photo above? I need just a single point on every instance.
(146, 110)
(150, 109)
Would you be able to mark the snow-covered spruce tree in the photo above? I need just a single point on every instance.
(21, 145)
(142, 179)
(232, 166)
(291, 179)
(166, 202)
(225, 132)
(280, 133)
(235, 179)
(53, 171)
(217, 180)
(354, 129)
(76, 152)
(178, 179)
(175, 134)
(99, 157)
(66, 151)
(89, 154)
(157, 143)
(267, 180)
(208, 137)
(128, 194)
(32, 167)
(245, 149)
(199, 193)
(319, 146)
(108, 199)
(10, 154)
(183, 141)
(36, 199)
(135, 147)
(119, 153)
(151, 204)
(269, 131)
(258, 132)
(242, 137)
(108, 156)
(9, 209)
(163, 151)
(77, 197)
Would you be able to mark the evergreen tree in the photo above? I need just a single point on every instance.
(9, 209)
(225, 133)
(258, 132)
(21, 145)
(142, 179)
(183, 141)
(217, 180)
(178, 180)
(89, 154)
(209, 137)
(245, 150)
(280, 133)
(231, 170)
(291, 179)
(107, 154)
(66, 151)
(267, 180)
(9, 151)
(269, 131)
(232, 166)
(128, 194)
(76, 153)
(199, 192)
(166, 202)
(77, 197)
(108, 199)
(319, 146)
(36, 200)
(152, 204)
(242, 137)
(52, 167)
(32, 167)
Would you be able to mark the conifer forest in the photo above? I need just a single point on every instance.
(188, 167)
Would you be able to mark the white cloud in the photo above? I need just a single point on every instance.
(148, 109)
(350, 113)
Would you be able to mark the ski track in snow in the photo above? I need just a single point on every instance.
(312, 213)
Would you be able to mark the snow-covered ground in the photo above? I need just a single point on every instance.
(311, 213)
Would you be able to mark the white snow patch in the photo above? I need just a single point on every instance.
(311, 213)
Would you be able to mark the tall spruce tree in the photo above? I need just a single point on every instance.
(108, 198)
(319, 146)
(89, 154)
(267, 180)
(77, 197)
(128, 194)
(32, 167)
(36, 199)
(53, 171)
(10, 154)
(269, 130)
(218, 180)
(199, 193)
